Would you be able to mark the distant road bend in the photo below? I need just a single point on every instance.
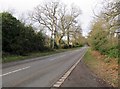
(40, 73)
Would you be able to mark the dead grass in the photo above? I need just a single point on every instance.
(106, 68)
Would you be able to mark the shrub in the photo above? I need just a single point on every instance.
(18, 38)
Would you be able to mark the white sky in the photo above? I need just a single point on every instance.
(23, 6)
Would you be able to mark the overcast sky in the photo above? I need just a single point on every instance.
(23, 6)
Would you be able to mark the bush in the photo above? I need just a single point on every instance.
(113, 52)
(102, 38)
(18, 38)
(65, 46)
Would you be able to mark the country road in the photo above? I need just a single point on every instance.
(43, 72)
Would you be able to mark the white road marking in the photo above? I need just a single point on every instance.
(15, 71)
(62, 79)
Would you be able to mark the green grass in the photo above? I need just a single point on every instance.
(89, 60)
(11, 58)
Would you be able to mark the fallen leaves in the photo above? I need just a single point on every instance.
(107, 68)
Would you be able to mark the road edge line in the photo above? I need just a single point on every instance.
(64, 77)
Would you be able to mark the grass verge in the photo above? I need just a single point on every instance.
(104, 67)
(11, 58)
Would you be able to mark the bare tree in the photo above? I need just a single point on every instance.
(55, 17)
(77, 33)
(71, 20)
(110, 12)
(61, 26)
(46, 15)
(66, 20)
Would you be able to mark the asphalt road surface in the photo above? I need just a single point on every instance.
(43, 72)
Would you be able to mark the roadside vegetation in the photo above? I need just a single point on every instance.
(22, 38)
(12, 57)
(105, 34)
(103, 56)
(104, 67)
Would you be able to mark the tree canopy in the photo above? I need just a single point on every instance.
(102, 36)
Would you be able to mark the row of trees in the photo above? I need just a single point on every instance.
(103, 36)
(18, 38)
(60, 21)
(54, 17)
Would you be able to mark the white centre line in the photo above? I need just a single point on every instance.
(15, 71)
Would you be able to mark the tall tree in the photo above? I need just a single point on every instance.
(46, 15)
(55, 17)
(10, 31)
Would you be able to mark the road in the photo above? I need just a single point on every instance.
(40, 73)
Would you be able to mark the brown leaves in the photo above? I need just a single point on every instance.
(106, 70)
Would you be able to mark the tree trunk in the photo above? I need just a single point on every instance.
(52, 41)
(68, 38)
